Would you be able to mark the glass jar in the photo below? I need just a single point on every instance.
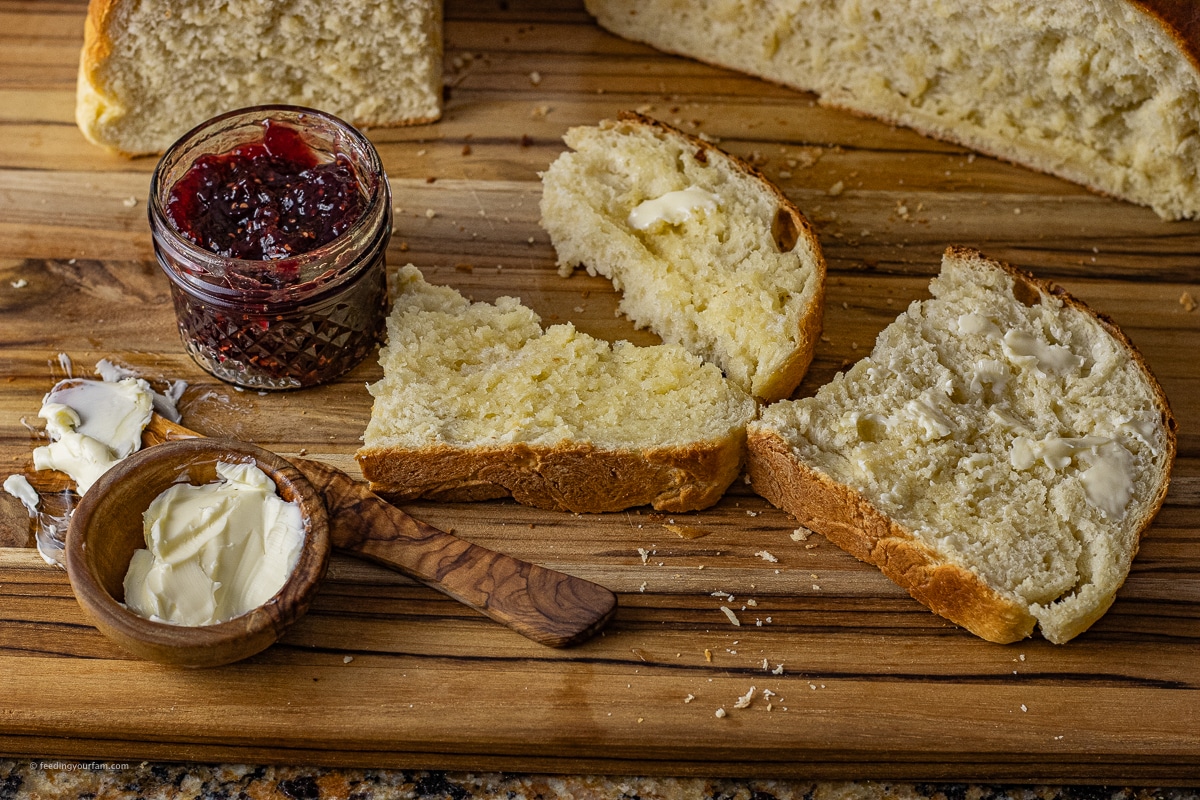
(276, 323)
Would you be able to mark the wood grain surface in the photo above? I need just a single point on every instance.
(863, 682)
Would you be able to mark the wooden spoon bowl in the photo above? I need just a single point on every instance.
(106, 529)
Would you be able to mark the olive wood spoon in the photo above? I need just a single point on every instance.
(547, 606)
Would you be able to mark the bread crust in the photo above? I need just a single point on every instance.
(1180, 19)
(577, 476)
(851, 522)
(790, 224)
(847, 519)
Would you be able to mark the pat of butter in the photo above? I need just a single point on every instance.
(1024, 348)
(19, 487)
(1108, 479)
(93, 425)
(934, 424)
(975, 324)
(216, 551)
(672, 208)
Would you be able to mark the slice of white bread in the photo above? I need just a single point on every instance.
(150, 70)
(999, 454)
(1105, 93)
(726, 265)
(477, 401)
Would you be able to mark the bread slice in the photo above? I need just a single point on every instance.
(151, 70)
(477, 401)
(707, 252)
(1105, 93)
(999, 454)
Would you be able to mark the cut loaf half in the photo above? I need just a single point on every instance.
(478, 402)
(999, 454)
(151, 70)
(706, 251)
(1105, 93)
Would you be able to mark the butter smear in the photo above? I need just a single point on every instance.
(214, 551)
(673, 208)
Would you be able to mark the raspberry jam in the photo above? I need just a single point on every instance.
(266, 200)
(272, 224)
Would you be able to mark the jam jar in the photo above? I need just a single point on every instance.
(272, 223)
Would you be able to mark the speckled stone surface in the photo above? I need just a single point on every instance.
(113, 780)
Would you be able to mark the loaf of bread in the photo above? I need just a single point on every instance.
(999, 454)
(706, 251)
(1105, 93)
(477, 402)
(153, 69)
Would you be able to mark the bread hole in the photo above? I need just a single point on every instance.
(870, 427)
(1026, 293)
(785, 231)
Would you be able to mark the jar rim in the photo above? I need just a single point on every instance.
(369, 167)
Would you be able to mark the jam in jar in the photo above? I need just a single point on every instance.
(272, 223)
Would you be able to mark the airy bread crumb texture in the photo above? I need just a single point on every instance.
(477, 400)
(152, 70)
(1101, 92)
(736, 278)
(1005, 430)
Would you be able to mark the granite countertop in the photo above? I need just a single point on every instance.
(113, 780)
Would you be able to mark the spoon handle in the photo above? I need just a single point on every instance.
(549, 607)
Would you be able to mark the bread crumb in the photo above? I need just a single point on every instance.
(430, 213)
(752, 603)
(745, 700)
(19, 283)
(540, 112)
(765, 556)
(800, 534)
(535, 77)
(687, 531)
(750, 513)
(347, 659)
(836, 189)
(689, 698)
(720, 713)
(707, 654)
(129, 202)
(778, 670)
(645, 554)
(732, 616)
(1024, 707)
(1187, 301)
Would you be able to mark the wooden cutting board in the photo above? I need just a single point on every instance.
(840, 673)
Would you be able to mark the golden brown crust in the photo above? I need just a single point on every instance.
(851, 522)
(790, 224)
(847, 519)
(1180, 19)
(578, 477)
